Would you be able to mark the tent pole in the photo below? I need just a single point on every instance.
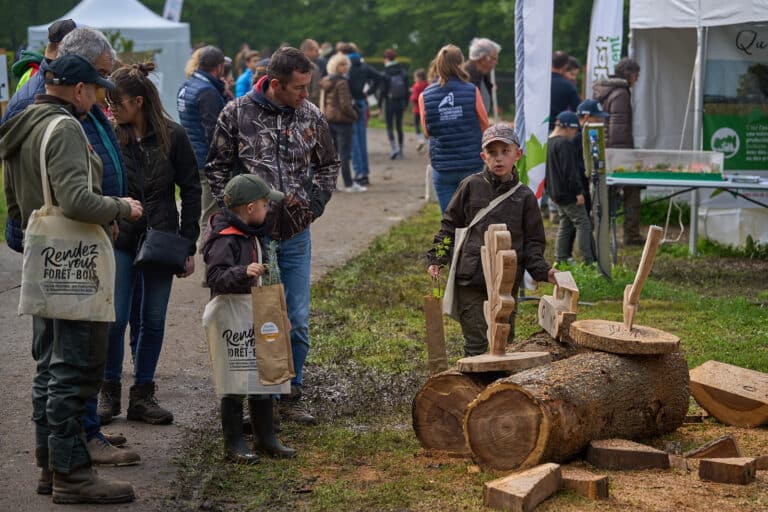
(697, 128)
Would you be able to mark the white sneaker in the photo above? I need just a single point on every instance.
(356, 187)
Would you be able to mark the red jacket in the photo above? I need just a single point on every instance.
(416, 91)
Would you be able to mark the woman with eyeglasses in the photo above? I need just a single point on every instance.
(158, 157)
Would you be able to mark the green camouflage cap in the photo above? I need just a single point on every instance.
(246, 188)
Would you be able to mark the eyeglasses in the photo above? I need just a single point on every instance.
(116, 104)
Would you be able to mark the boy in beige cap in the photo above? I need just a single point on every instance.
(519, 210)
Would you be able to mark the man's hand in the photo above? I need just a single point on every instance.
(434, 271)
(580, 199)
(190, 266)
(136, 209)
(255, 270)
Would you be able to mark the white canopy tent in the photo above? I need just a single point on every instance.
(147, 30)
(669, 39)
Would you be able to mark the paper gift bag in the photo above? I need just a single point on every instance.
(272, 332)
(228, 324)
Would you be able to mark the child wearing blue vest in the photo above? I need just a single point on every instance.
(519, 210)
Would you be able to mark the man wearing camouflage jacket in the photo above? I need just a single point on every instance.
(277, 134)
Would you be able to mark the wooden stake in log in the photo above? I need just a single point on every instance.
(735, 396)
(439, 406)
(499, 268)
(433, 319)
(627, 338)
(552, 412)
(558, 311)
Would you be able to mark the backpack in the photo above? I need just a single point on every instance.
(397, 89)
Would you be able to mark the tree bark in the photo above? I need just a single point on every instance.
(439, 407)
(552, 412)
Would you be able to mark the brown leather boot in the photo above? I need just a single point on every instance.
(143, 406)
(109, 401)
(83, 485)
(104, 454)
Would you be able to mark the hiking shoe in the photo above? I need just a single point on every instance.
(104, 454)
(143, 406)
(45, 482)
(83, 485)
(291, 408)
(114, 439)
(109, 401)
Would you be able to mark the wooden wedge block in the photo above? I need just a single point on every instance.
(679, 462)
(761, 462)
(554, 318)
(721, 448)
(624, 454)
(735, 396)
(739, 470)
(584, 483)
(521, 492)
(509, 362)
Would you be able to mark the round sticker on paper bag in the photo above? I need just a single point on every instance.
(269, 331)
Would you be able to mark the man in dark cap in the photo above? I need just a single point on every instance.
(70, 355)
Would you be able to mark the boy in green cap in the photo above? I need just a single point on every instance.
(232, 254)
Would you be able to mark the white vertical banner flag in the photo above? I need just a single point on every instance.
(172, 10)
(533, 59)
(605, 36)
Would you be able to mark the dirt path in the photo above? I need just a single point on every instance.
(350, 222)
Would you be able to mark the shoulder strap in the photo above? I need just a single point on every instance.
(44, 165)
(493, 204)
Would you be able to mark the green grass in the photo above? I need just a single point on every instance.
(367, 324)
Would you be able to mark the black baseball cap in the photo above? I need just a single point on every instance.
(591, 108)
(568, 119)
(59, 29)
(71, 70)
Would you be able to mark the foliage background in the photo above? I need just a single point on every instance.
(416, 29)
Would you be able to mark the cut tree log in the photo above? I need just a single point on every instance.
(733, 395)
(624, 454)
(439, 406)
(613, 337)
(521, 492)
(552, 412)
(721, 448)
(584, 483)
(728, 471)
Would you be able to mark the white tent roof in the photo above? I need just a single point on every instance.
(116, 14)
(685, 13)
(147, 30)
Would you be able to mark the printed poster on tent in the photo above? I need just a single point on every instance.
(736, 96)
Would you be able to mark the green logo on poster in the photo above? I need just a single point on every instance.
(726, 141)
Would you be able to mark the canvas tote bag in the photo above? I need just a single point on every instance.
(450, 304)
(228, 325)
(68, 268)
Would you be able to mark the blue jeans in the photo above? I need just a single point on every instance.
(294, 257)
(155, 291)
(359, 141)
(342, 136)
(446, 183)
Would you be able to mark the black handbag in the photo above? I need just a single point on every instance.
(160, 249)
